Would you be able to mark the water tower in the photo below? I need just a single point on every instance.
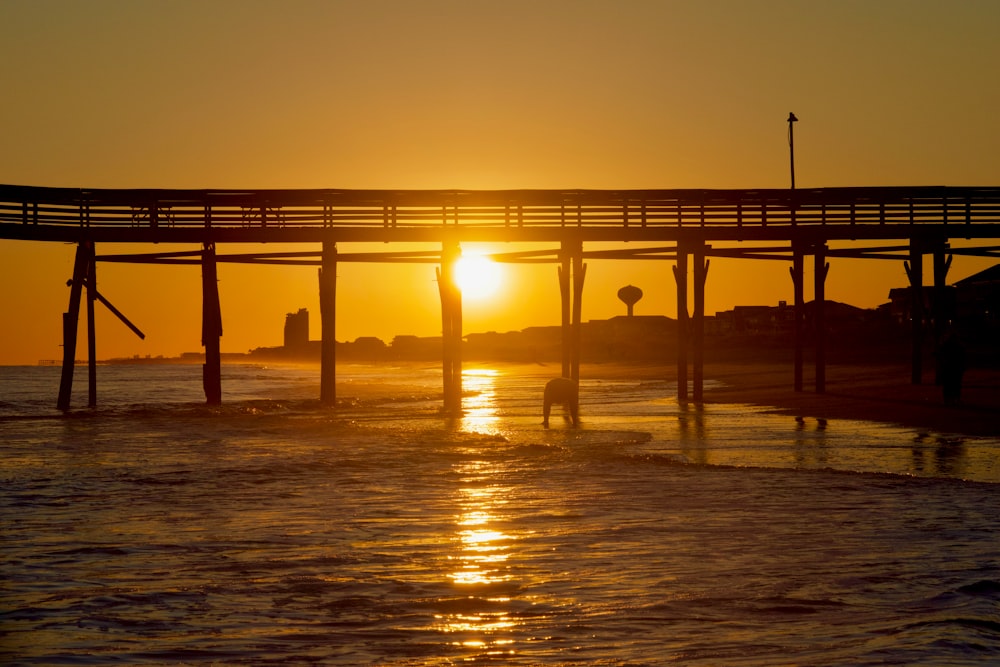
(629, 295)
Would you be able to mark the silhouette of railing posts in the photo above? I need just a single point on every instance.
(328, 322)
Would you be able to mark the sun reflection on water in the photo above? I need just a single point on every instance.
(479, 405)
(480, 567)
(484, 549)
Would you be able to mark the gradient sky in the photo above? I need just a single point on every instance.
(467, 94)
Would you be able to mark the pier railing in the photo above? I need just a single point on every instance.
(927, 217)
(734, 211)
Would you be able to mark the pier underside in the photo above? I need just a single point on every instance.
(686, 227)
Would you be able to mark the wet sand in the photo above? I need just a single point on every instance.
(882, 393)
(872, 393)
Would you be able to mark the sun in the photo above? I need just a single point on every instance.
(477, 276)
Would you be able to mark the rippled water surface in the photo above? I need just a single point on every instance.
(156, 530)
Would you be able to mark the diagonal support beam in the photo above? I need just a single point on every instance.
(117, 313)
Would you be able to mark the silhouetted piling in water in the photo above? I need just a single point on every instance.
(328, 321)
(211, 326)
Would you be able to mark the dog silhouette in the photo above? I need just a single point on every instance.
(565, 392)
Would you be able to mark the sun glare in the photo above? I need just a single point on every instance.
(477, 276)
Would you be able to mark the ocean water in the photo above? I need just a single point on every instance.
(157, 530)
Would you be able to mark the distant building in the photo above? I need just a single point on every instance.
(763, 319)
(972, 304)
(629, 338)
(977, 302)
(414, 347)
(297, 330)
(367, 348)
(753, 320)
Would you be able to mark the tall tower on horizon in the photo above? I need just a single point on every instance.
(297, 329)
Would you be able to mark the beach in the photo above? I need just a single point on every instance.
(157, 530)
(868, 392)
(881, 393)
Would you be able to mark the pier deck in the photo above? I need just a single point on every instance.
(104, 215)
(796, 222)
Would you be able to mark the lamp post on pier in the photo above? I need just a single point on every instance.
(797, 269)
(791, 145)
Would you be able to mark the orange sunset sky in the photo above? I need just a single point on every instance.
(472, 94)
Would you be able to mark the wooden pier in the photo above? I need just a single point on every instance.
(893, 223)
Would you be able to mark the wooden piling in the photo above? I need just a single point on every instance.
(681, 278)
(700, 276)
(579, 274)
(798, 276)
(915, 272)
(819, 316)
(81, 264)
(943, 308)
(456, 345)
(328, 322)
(451, 328)
(211, 326)
(446, 361)
(565, 264)
(91, 331)
(572, 272)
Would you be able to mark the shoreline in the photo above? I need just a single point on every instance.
(877, 393)
(865, 392)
